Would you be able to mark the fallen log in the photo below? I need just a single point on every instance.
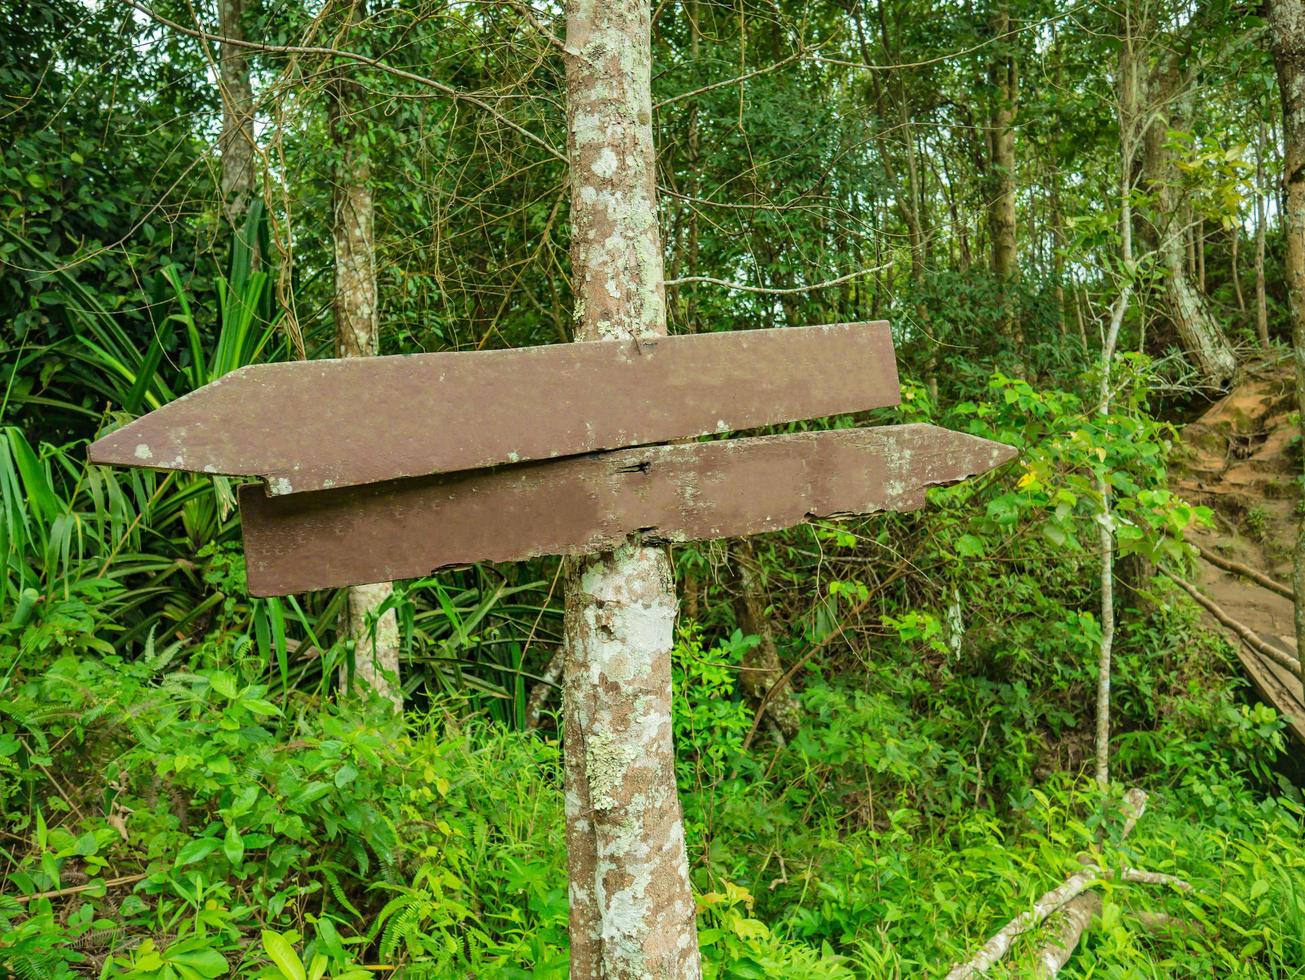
(1068, 926)
(995, 948)
(1244, 632)
(1162, 922)
(1245, 571)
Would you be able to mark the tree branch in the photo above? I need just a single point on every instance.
(362, 59)
(769, 291)
(738, 80)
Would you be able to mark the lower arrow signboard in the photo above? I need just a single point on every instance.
(691, 491)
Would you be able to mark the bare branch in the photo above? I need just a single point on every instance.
(361, 59)
(738, 80)
(769, 291)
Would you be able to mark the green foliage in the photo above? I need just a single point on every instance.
(184, 796)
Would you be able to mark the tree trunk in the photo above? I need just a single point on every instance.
(1198, 243)
(761, 668)
(632, 909)
(236, 144)
(1127, 105)
(1287, 31)
(1261, 294)
(1003, 81)
(375, 635)
(1234, 247)
(1066, 928)
(1198, 332)
(890, 95)
(1058, 246)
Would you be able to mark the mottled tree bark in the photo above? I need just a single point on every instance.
(632, 909)
(375, 634)
(236, 143)
(1287, 32)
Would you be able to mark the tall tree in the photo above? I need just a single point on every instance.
(1169, 96)
(1261, 294)
(1287, 37)
(1003, 86)
(236, 144)
(1128, 83)
(375, 633)
(632, 909)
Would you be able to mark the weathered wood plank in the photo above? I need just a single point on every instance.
(692, 491)
(295, 424)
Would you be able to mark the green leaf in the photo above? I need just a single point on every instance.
(260, 707)
(234, 846)
(203, 962)
(196, 850)
(223, 683)
(284, 956)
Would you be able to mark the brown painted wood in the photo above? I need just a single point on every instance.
(296, 424)
(690, 491)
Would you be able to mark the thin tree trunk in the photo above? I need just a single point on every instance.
(1058, 253)
(890, 95)
(1261, 295)
(236, 143)
(1127, 93)
(1003, 78)
(632, 909)
(761, 667)
(1235, 233)
(1287, 30)
(1199, 333)
(375, 635)
(694, 12)
(1198, 242)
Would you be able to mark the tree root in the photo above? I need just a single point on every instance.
(1245, 571)
(1244, 632)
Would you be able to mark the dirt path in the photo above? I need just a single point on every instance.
(1242, 463)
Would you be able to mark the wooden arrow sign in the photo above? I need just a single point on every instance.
(407, 528)
(311, 425)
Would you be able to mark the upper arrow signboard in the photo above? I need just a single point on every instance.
(313, 425)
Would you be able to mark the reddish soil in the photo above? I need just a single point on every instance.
(1242, 459)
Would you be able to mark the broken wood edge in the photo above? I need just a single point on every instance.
(1245, 571)
(1244, 632)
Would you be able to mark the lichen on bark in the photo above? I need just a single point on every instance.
(632, 910)
(630, 881)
